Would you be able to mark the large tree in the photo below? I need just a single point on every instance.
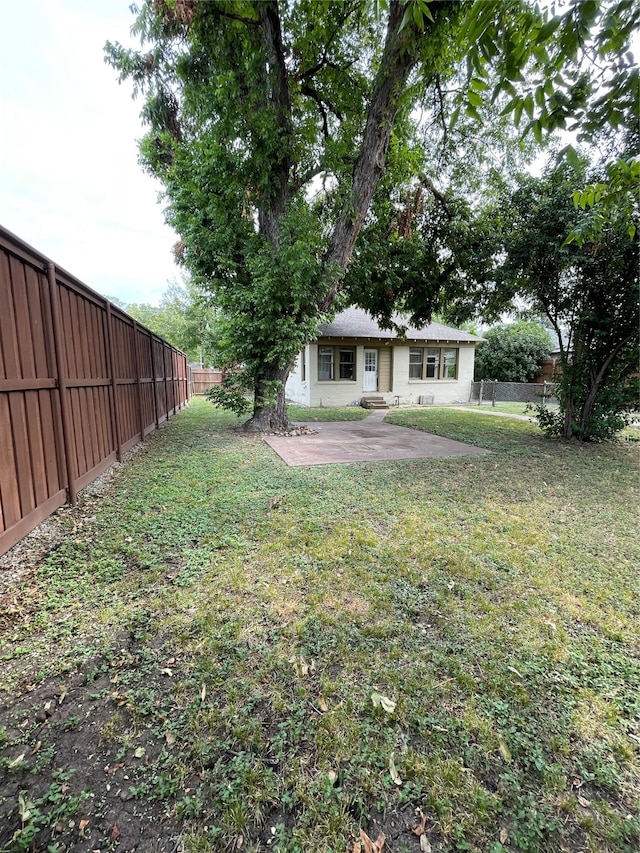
(588, 290)
(271, 125)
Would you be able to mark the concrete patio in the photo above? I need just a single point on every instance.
(369, 440)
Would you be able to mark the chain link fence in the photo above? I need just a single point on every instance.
(512, 392)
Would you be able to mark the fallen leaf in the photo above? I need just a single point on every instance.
(82, 825)
(166, 671)
(577, 783)
(170, 738)
(504, 749)
(515, 671)
(36, 748)
(370, 846)
(322, 703)
(139, 752)
(425, 847)
(332, 776)
(203, 692)
(504, 836)
(394, 773)
(16, 761)
(380, 701)
(63, 694)
(584, 802)
(239, 841)
(301, 667)
(115, 833)
(171, 661)
(419, 829)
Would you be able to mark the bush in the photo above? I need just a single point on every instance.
(512, 352)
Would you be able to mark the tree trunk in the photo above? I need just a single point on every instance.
(596, 381)
(270, 416)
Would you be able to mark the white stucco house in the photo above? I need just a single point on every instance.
(353, 357)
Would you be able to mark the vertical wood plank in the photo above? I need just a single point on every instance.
(69, 456)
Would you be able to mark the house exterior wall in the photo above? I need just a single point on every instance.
(393, 361)
(444, 391)
(297, 388)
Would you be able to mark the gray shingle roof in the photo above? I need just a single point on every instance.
(357, 323)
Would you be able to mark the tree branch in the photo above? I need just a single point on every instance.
(270, 212)
(400, 55)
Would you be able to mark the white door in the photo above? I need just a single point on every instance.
(370, 381)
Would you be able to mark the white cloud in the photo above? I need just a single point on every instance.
(70, 183)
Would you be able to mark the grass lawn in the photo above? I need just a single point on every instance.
(508, 408)
(275, 658)
(342, 413)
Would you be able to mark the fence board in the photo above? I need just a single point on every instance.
(203, 378)
(80, 383)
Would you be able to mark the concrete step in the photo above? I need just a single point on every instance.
(373, 401)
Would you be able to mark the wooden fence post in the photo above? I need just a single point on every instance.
(153, 381)
(138, 382)
(115, 411)
(62, 385)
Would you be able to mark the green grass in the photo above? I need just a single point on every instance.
(508, 408)
(341, 413)
(493, 600)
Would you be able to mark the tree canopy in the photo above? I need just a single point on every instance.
(281, 129)
(590, 289)
(185, 317)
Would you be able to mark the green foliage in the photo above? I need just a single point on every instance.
(577, 66)
(591, 290)
(512, 352)
(185, 317)
(612, 203)
(233, 394)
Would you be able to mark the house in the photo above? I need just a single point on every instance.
(353, 357)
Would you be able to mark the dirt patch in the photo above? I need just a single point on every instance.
(76, 758)
(76, 754)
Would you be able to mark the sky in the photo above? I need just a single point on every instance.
(70, 182)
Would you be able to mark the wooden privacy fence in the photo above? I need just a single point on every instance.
(80, 383)
(203, 378)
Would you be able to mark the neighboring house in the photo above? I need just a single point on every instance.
(353, 357)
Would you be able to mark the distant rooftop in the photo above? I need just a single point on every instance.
(358, 323)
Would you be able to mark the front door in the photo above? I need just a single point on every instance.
(370, 382)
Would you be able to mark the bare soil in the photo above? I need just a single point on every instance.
(64, 782)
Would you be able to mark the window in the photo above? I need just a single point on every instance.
(347, 364)
(450, 364)
(325, 362)
(303, 366)
(343, 357)
(415, 363)
(433, 363)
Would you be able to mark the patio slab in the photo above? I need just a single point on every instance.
(369, 440)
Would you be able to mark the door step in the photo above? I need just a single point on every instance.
(373, 401)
